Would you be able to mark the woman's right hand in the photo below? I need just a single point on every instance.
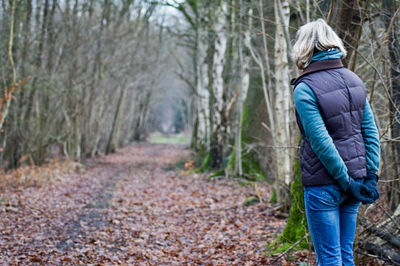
(361, 192)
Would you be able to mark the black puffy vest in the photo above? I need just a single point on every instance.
(341, 100)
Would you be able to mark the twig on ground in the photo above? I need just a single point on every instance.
(390, 217)
(290, 248)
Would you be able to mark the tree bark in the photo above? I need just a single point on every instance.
(219, 120)
(5, 106)
(383, 253)
(383, 234)
(350, 22)
(111, 146)
(389, 10)
(282, 97)
(244, 60)
(203, 95)
(43, 33)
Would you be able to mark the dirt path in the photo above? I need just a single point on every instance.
(127, 208)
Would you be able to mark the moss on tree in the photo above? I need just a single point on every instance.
(273, 198)
(296, 225)
(232, 159)
(205, 164)
(250, 166)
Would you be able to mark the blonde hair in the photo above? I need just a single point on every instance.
(315, 35)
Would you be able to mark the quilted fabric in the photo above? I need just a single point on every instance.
(341, 100)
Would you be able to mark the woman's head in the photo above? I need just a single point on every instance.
(314, 36)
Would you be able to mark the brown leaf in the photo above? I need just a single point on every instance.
(35, 259)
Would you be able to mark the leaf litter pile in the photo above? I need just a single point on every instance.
(128, 208)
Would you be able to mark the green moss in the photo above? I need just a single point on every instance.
(203, 159)
(273, 198)
(201, 153)
(244, 182)
(251, 201)
(206, 164)
(218, 173)
(232, 159)
(279, 247)
(245, 123)
(251, 168)
(296, 225)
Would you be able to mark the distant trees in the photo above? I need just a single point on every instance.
(215, 56)
(91, 72)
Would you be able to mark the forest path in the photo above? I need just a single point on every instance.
(129, 208)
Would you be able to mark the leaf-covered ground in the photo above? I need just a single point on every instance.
(130, 208)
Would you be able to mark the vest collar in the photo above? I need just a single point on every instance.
(318, 66)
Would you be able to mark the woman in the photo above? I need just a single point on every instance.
(339, 151)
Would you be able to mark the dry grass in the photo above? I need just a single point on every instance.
(28, 175)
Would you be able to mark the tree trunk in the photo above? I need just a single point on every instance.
(51, 38)
(282, 97)
(244, 60)
(111, 145)
(203, 95)
(262, 61)
(43, 33)
(393, 44)
(7, 98)
(219, 120)
(350, 22)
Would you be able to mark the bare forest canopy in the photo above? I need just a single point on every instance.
(85, 77)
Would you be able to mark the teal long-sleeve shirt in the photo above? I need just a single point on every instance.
(317, 134)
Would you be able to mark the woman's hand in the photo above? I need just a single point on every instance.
(371, 181)
(361, 192)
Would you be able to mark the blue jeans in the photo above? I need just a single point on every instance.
(331, 217)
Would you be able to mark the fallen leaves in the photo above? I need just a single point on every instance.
(27, 176)
(126, 209)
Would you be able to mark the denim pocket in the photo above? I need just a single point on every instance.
(321, 198)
